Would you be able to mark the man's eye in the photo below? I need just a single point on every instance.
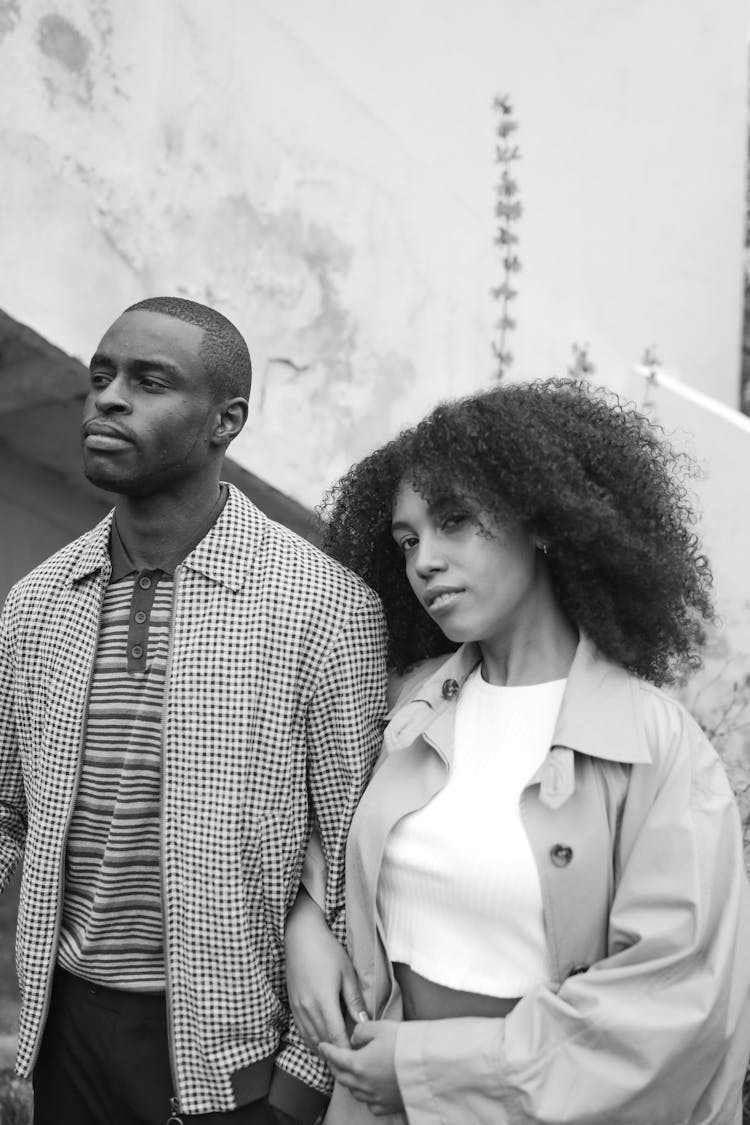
(150, 384)
(99, 379)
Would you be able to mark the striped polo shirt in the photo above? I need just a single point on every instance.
(112, 930)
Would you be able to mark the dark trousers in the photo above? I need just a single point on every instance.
(104, 1060)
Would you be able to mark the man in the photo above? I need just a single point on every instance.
(183, 691)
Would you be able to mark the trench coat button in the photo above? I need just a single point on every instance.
(450, 689)
(561, 855)
(578, 969)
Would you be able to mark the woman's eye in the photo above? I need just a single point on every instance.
(407, 543)
(453, 521)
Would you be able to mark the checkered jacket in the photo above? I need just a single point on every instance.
(273, 710)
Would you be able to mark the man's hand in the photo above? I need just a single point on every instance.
(321, 981)
(368, 1069)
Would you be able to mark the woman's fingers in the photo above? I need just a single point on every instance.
(334, 1056)
(365, 1032)
(342, 1061)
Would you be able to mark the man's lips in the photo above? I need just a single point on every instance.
(102, 435)
(439, 597)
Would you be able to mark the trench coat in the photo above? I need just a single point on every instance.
(637, 839)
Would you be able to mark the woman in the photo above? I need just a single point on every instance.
(547, 909)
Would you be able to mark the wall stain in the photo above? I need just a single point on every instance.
(10, 13)
(101, 20)
(61, 42)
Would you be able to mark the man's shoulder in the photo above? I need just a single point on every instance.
(56, 570)
(299, 560)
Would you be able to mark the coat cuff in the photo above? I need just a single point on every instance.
(451, 1070)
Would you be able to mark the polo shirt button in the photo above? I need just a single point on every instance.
(144, 582)
(140, 617)
(561, 855)
(450, 689)
(136, 652)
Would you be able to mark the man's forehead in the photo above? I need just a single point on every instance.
(144, 331)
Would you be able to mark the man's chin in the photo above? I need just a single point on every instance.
(109, 482)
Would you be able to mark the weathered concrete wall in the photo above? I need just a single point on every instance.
(323, 173)
(719, 440)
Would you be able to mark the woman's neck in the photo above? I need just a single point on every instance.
(535, 652)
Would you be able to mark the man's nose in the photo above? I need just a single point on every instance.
(113, 397)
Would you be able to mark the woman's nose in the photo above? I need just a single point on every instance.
(428, 559)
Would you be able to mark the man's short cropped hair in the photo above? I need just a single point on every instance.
(223, 350)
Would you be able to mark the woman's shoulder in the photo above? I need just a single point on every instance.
(678, 743)
(665, 718)
(403, 686)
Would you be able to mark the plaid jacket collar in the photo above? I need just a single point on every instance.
(598, 716)
(223, 555)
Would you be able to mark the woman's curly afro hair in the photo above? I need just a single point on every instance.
(589, 475)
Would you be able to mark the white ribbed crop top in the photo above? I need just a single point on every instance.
(459, 890)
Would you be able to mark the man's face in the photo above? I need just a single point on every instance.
(150, 410)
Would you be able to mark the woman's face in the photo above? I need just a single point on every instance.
(476, 580)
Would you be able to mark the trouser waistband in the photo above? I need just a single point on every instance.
(122, 999)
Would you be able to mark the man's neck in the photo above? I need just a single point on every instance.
(160, 531)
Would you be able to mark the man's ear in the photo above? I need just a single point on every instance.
(231, 417)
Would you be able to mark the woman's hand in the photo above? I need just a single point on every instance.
(321, 981)
(369, 1069)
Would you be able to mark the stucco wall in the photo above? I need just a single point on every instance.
(719, 440)
(323, 173)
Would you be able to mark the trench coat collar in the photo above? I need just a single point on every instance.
(599, 715)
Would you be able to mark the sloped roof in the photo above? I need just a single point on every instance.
(41, 398)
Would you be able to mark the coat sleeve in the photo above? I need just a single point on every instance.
(344, 735)
(12, 797)
(659, 1030)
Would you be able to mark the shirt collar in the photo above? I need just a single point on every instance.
(598, 716)
(122, 564)
(223, 555)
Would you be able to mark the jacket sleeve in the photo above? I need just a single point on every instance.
(314, 872)
(12, 796)
(344, 735)
(659, 1030)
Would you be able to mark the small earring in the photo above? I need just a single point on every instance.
(543, 548)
